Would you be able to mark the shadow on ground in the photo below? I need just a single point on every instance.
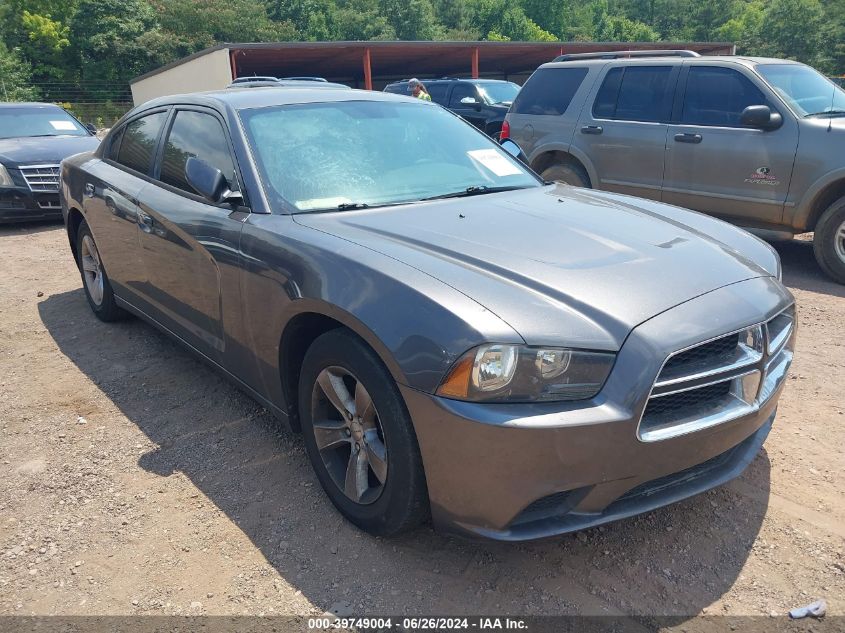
(800, 269)
(674, 561)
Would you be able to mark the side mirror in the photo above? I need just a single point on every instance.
(471, 101)
(514, 150)
(209, 182)
(761, 117)
(91, 128)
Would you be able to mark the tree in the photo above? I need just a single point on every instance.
(411, 19)
(38, 30)
(15, 77)
(793, 29)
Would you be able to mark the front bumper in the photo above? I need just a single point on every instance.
(517, 472)
(19, 204)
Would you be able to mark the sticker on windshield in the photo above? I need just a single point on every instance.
(494, 161)
(63, 125)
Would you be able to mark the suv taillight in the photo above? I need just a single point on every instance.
(506, 131)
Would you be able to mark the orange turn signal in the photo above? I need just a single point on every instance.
(456, 384)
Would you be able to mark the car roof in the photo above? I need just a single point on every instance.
(29, 104)
(627, 61)
(246, 98)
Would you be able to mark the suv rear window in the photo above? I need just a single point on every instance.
(549, 91)
(635, 93)
(437, 92)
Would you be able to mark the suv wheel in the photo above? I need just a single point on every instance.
(95, 281)
(567, 173)
(829, 241)
(359, 436)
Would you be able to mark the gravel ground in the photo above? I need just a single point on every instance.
(137, 481)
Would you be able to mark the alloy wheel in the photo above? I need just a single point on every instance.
(92, 269)
(349, 435)
(839, 242)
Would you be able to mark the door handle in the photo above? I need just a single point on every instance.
(688, 138)
(89, 190)
(592, 129)
(145, 221)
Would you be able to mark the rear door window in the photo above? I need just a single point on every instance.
(198, 135)
(139, 142)
(717, 96)
(635, 93)
(549, 91)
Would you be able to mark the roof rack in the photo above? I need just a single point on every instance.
(571, 57)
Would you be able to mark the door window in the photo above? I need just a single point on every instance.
(197, 135)
(549, 91)
(437, 92)
(139, 142)
(459, 92)
(635, 93)
(717, 96)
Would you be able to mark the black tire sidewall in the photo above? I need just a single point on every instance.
(824, 241)
(569, 174)
(108, 309)
(403, 503)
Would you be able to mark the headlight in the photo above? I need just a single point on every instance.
(5, 178)
(514, 373)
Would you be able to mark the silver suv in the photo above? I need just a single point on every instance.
(757, 142)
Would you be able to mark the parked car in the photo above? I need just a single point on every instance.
(482, 102)
(34, 138)
(755, 141)
(452, 336)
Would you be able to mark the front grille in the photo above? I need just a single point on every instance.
(718, 352)
(41, 177)
(687, 400)
(718, 380)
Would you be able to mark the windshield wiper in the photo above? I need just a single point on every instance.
(346, 206)
(824, 112)
(474, 190)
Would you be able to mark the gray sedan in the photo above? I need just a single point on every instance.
(453, 337)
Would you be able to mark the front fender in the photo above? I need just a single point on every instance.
(805, 212)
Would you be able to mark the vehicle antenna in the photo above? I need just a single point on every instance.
(832, 102)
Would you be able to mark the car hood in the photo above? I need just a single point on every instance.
(560, 265)
(47, 150)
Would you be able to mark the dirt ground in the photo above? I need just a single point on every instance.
(137, 481)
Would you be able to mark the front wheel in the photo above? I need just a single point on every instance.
(829, 241)
(359, 436)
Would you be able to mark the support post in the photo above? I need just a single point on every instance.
(368, 73)
(475, 63)
(233, 65)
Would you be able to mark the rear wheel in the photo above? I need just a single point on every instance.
(359, 436)
(95, 282)
(567, 173)
(829, 241)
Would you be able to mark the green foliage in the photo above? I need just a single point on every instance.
(114, 40)
(15, 77)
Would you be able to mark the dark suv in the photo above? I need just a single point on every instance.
(482, 102)
(755, 141)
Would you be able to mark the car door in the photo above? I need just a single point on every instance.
(623, 132)
(715, 164)
(110, 200)
(472, 112)
(189, 244)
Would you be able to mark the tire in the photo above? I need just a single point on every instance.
(829, 241)
(567, 173)
(95, 281)
(383, 496)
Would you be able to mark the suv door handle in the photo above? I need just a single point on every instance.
(592, 129)
(89, 190)
(688, 138)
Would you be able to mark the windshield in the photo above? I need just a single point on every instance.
(347, 154)
(805, 91)
(504, 92)
(35, 121)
